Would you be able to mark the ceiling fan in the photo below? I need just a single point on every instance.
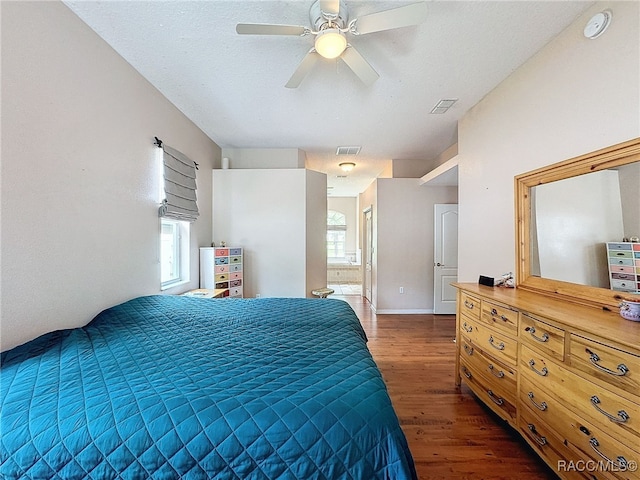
(330, 25)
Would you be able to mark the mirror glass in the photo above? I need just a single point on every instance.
(565, 215)
(573, 218)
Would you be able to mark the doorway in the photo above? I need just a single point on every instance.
(367, 243)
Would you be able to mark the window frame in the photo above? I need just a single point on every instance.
(333, 229)
(180, 254)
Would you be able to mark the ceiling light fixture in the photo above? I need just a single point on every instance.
(330, 43)
(346, 166)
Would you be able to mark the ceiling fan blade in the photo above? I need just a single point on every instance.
(413, 14)
(360, 66)
(269, 29)
(330, 6)
(303, 69)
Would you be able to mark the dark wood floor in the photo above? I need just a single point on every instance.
(450, 434)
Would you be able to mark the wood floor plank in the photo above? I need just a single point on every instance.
(450, 433)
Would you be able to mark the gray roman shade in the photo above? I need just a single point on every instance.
(179, 186)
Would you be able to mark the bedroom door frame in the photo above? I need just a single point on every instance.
(367, 257)
(445, 257)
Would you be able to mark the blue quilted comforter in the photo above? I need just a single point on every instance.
(189, 388)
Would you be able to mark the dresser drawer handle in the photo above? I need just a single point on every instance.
(466, 372)
(622, 417)
(494, 313)
(543, 373)
(467, 328)
(594, 358)
(468, 304)
(621, 461)
(540, 406)
(468, 349)
(499, 346)
(497, 400)
(498, 374)
(542, 441)
(532, 331)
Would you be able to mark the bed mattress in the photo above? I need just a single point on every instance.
(189, 388)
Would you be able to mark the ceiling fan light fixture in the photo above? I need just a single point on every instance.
(330, 43)
(347, 166)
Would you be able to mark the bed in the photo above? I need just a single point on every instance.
(188, 388)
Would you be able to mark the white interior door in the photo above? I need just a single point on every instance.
(445, 258)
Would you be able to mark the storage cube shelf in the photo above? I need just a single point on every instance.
(624, 266)
(221, 268)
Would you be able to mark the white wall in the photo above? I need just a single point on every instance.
(575, 96)
(275, 216)
(403, 234)
(264, 157)
(80, 188)
(316, 230)
(574, 219)
(629, 192)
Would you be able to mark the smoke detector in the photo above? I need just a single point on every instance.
(598, 24)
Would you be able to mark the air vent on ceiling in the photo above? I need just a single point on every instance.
(443, 105)
(348, 150)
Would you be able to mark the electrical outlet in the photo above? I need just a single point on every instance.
(401, 289)
(257, 295)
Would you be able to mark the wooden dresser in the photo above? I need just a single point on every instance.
(566, 376)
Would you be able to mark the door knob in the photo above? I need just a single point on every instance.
(439, 264)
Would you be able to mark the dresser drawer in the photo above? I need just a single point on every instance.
(538, 367)
(549, 445)
(501, 377)
(621, 261)
(623, 285)
(222, 260)
(222, 277)
(485, 391)
(236, 275)
(235, 292)
(493, 343)
(620, 254)
(625, 276)
(596, 446)
(469, 305)
(613, 414)
(542, 336)
(616, 247)
(222, 252)
(221, 268)
(622, 269)
(548, 410)
(615, 367)
(235, 251)
(500, 317)
(235, 268)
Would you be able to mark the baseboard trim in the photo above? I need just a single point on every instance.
(408, 311)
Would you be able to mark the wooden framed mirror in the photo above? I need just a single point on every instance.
(565, 214)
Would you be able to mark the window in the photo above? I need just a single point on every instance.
(336, 236)
(174, 252)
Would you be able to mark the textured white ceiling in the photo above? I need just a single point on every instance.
(232, 86)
